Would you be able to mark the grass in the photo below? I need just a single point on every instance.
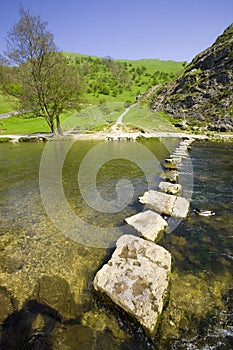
(142, 74)
(143, 118)
(94, 118)
(155, 64)
(22, 125)
(151, 64)
(7, 104)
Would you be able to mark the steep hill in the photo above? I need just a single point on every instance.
(122, 80)
(203, 95)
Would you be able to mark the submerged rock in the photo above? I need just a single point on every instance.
(136, 279)
(148, 223)
(6, 305)
(166, 203)
(55, 293)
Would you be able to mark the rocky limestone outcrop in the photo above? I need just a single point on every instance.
(203, 95)
(136, 279)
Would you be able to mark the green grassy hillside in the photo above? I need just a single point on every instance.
(143, 118)
(107, 81)
(122, 80)
(155, 64)
(7, 103)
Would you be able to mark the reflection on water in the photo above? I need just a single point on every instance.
(46, 295)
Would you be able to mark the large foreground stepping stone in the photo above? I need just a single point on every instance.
(136, 279)
(150, 224)
(166, 203)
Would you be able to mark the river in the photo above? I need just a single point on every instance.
(46, 270)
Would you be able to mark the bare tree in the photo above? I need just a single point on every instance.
(49, 83)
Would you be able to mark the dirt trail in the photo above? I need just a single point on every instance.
(120, 118)
(10, 114)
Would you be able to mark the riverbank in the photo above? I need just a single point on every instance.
(116, 133)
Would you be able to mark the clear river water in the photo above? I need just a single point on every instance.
(47, 299)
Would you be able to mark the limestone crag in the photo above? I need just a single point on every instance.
(136, 279)
(201, 98)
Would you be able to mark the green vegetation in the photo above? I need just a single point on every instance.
(143, 118)
(155, 64)
(4, 139)
(51, 84)
(94, 118)
(42, 79)
(22, 124)
(90, 119)
(7, 103)
(96, 70)
(121, 80)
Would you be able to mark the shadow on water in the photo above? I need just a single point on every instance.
(21, 332)
(51, 320)
(31, 327)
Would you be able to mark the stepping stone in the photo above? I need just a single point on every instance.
(166, 203)
(150, 224)
(173, 159)
(170, 188)
(171, 166)
(136, 279)
(170, 175)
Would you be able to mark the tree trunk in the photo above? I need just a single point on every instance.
(51, 125)
(59, 129)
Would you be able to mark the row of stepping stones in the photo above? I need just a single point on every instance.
(136, 277)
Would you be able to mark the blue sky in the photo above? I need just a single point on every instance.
(130, 29)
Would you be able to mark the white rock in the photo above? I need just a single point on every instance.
(175, 159)
(170, 175)
(136, 279)
(170, 188)
(181, 208)
(166, 203)
(159, 201)
(150, 224)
